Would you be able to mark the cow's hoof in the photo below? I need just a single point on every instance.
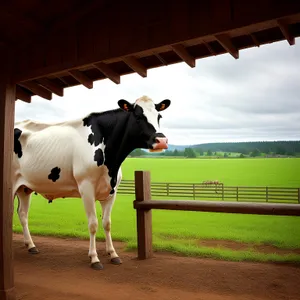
(116, 261)
(33, 250)
(97, 266)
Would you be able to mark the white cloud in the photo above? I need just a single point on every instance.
(256, 97)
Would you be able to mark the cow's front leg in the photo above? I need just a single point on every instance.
(106, 223)
(88, 197)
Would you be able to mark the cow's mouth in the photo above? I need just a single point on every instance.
(155, 150)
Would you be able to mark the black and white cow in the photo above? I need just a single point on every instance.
(82, 159)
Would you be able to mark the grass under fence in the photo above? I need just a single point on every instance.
(175, 231)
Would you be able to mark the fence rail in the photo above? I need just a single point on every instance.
(198, 191)
(143, 204)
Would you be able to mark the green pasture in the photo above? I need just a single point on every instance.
(181, 232)
(284, 172)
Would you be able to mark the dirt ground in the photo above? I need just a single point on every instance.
(61, 271)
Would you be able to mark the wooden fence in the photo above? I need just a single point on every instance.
(217, 192)
(144, 204)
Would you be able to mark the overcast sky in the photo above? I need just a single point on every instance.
(256, 97)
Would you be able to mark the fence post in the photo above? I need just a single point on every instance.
(267, 194)
(194, 193)
(299, 195)
(237, 193)
(222, 191)
(143, 217)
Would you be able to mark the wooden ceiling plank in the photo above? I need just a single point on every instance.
(76, 13)
(22, 95)
(181, 51)
(19, 17)
(159, 36)
(286, 32)
(108, 72)
(227, 44)
(37, 89)
(135, 65)
(82, 78)
(52, 86)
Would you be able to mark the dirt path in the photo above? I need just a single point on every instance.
(61, 271)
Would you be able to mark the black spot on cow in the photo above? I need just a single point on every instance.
(54, 175)
(98, 157)
(91, 139)
(102, 124)
(17, 144)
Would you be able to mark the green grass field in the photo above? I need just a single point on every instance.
(249, 172)
(179, 231)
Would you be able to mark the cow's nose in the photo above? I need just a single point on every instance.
(160, 143)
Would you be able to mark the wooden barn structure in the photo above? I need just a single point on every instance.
(46, 46)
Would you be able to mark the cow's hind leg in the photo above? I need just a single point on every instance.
(107, 206)
(88, 197)
(24, 197)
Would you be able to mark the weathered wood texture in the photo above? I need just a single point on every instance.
(143, 217)
(7, 107)
(222, 207)
(136, 28)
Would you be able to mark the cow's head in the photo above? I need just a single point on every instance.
(144, 122)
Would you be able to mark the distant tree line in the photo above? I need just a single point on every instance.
(276, 147)
(239, 149)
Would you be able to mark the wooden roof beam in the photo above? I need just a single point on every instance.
(254, 39)
(209, 48)
(108, 72)
(135, 65)
(184, 55)
(283, 26)
(37, 89)
(82, 78)
(52, 86)
(22, 95)
(160, 59)
(227, 44)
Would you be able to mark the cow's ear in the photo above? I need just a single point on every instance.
(125, 105)
(163, 105)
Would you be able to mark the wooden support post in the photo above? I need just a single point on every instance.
(7, 111)
(143, 217)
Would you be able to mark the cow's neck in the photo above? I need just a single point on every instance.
(114, 127)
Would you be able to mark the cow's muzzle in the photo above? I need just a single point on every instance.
(159, 144)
